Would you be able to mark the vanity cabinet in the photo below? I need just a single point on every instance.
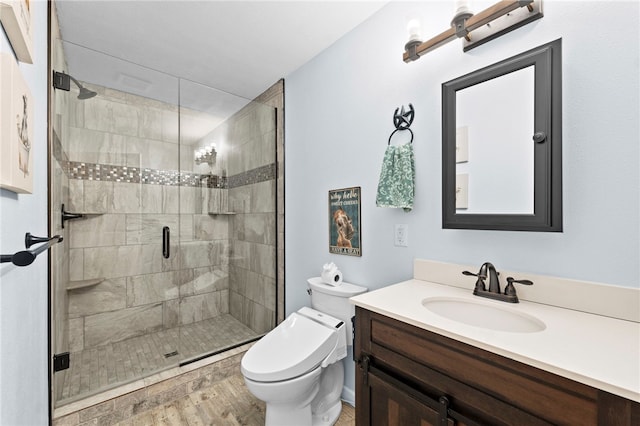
(406, 376)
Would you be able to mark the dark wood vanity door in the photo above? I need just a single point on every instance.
(393, 407)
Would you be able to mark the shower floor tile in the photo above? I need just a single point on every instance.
(103, 367)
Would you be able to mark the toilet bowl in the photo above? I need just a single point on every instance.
(297, 369)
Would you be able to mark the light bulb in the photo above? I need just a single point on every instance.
(413, 28)
(462, 8)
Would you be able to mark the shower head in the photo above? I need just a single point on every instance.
(84, 92)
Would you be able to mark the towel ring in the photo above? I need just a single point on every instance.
(397, 130)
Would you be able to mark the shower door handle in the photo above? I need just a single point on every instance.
(165, 242)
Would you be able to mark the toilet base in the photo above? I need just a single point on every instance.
(329, 417)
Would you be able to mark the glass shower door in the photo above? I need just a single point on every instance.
(117, 275)
(228, 220)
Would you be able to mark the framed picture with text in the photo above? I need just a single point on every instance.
(344, 221)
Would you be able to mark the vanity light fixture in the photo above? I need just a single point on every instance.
(492, 22)
(206, 154)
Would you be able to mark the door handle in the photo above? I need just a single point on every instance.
(166, 234)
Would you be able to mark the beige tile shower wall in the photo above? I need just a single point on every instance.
(274, 97)
(253, 227)
(141, 292)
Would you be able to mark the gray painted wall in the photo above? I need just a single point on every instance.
(339, 109)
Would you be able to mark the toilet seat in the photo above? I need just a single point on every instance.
(295, 347)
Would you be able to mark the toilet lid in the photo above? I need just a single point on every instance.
(293, 348)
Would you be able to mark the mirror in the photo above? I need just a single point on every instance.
(502, 145)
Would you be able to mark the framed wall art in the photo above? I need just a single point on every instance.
(15, 16)
(344, 221)
(16, 128)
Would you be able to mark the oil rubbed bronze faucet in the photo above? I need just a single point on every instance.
(487, 270)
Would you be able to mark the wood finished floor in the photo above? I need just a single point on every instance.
(103, 367)
(227, 402)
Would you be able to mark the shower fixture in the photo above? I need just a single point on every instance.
(62, 81)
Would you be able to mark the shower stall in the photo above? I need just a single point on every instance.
(165, 193)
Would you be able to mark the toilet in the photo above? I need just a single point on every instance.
(296, 368)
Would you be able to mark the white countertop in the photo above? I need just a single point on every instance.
(595, 350)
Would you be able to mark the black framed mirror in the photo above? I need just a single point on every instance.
(502, 145)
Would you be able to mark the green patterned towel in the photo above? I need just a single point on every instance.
(397, 178)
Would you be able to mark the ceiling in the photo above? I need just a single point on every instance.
(239, 48)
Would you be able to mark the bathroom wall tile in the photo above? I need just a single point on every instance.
(236, 305)
(208, 227)
(200, 307)
(247, 312)
(170, 132)
(236, 227)
(269, 300)
(74, 109)
(96, 231)
(151, 198)
(188, 200)
(115, 326)
(205, 280)
(171, 313)
(159, 287)
(173, 262)
(259, 228)
(76, 334)
(98, 196)
(258, 151)
(122, 261)
(109, 295)
(224, 301)
(150, 123)
(194, 124)
(263, 259)
(263, 197)
(241, 254)
(76, 196)
(147, 228)
(218, 201)
(186, 227)
(204, 199)
(76, 264)
(197, 254)
(240, 199)
(91, 146)
(187, 163)
(237, 279)
(263, 319)
(254, 288)
(152, 154)
(112, 117)
(127, 197)
(171, 200)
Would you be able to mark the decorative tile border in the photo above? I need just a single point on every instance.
(257, 175)
(127, 174)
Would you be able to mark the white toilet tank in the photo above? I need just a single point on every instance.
(334, 301)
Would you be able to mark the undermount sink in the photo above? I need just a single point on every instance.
(480, 314)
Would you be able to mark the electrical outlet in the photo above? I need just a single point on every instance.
(401, 235)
